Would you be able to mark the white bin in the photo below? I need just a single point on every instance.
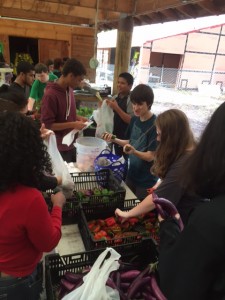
(88, 148)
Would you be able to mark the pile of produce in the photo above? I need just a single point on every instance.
(113, 229)
(85, 111)
(130, 281)
(87, 195)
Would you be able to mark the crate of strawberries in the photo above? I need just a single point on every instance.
(101, 228)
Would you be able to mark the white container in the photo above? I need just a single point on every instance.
(88, 148)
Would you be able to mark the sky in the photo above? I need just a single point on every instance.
(145, 33)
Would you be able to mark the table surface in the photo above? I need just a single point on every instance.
(71, 241)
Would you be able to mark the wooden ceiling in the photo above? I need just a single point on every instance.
(106, 13)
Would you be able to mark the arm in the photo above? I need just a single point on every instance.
(143, 207)
(123, 115)
(33, 95)
(30, 103)
(108, 137)
(43, 229)
(148, 155)
(79, 125)
(49, 182)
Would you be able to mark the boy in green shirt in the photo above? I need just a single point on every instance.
(38, 87)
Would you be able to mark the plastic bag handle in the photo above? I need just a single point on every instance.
(105, 151)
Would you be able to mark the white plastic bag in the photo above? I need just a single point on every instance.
(94, 286)
(59, 167)
(104, 118)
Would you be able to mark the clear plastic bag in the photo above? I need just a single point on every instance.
(94, 286)
(104, 118)
(59, 167)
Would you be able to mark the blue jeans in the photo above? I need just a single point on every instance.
(24, 288)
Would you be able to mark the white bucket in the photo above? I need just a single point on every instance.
(88, 148)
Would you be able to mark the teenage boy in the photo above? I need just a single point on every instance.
(122, 108)
(58, 111)
(24, 78)
(141, 141)
(38, 87)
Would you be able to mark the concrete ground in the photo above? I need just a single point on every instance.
(197, 107)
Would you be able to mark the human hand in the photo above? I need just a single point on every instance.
(128, 149)
(58, 199)
(108, 137)
(123, 215)
(79, 125)
(112, 103)
(82, 119)
(45, 133)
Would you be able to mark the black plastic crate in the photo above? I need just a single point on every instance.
(69, 211)
(96, 180)
(130, 243)
(91, 180)
(56, 266)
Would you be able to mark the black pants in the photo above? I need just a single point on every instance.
(69, 156)
(25, 288)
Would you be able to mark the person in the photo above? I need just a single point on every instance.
(27, 228)
(50, 65)
(141, 142)
(38, 87)
(122, 108)
(11, 100)
(191, 262)
(24, 78)
(176, 143)
(58, 111)
(58, 65)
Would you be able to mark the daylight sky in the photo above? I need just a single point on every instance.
(145, 33)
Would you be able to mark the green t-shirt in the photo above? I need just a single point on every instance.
(38, 88)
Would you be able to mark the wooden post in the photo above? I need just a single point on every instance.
(123, 48)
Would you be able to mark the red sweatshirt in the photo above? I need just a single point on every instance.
(26, 230)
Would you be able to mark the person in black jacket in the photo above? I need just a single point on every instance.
(192, 262)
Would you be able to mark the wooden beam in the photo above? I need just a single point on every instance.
(188, 10)
(148, 6)
(44, 16)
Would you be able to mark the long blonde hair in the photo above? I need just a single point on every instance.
(176, 138)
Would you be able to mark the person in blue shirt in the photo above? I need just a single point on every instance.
(141, 142)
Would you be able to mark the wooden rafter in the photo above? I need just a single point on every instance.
(79, 12)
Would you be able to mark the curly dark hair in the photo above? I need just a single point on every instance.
(23, 155)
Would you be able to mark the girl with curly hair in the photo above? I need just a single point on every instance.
(26, 227)
(12, 99)
(176, 142)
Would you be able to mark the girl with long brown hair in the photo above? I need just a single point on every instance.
(176, 142)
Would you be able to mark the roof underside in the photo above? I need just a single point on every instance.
(107, 13)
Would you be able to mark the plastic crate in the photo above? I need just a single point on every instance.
(90, 180)
(69, 211)
(102, 179)
(56, 266)
(129, 243)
